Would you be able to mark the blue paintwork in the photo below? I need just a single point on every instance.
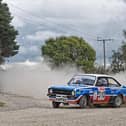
(64, 87)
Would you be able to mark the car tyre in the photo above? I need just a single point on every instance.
(117, 101)
(83, 102)
(55, 104)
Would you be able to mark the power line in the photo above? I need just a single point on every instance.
(44, 20)
(48, 22)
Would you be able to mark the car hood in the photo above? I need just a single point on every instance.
(69, 87)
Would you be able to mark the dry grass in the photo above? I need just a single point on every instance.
(2, 104)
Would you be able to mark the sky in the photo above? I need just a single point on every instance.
(38, 20)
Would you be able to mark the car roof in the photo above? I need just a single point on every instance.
(96, 75)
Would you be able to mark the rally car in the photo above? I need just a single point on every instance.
(88, 89)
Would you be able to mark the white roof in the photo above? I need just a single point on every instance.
(97, 75)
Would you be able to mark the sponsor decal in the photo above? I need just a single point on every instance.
(101, 89)
(90, 92)
(101, 96)
(95, 95)
(101, 93)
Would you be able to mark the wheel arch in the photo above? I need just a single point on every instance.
(119, 93)
(122, 96)
(88, 98)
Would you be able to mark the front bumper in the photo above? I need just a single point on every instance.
(64, 99)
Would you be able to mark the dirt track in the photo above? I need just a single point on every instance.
(26, 111)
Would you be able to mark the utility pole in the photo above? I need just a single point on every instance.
(104, 49)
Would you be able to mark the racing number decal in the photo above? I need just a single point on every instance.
(95, 95)
(101, 96)
(101, 93)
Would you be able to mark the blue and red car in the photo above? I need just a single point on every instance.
(88, 89)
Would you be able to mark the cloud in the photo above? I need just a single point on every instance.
(42, 35)
(18, 22)
(26, 50)
(23, 50)
(96, 11)
(123, 0)
(38, 20)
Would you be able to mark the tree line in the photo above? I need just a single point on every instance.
(119, 57)
(75, 51)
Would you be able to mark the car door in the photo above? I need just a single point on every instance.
(102, 91)
(114, 86)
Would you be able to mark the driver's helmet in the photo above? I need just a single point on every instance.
(102, 82)
(77, 81)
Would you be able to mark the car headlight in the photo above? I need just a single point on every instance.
(50, 91)
(73, 93)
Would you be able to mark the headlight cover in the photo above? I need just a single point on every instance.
(50, 91)
(73, 93)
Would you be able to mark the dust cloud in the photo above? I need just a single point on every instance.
(121, 77)
(32, 79)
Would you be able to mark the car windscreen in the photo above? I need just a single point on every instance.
(83, 80)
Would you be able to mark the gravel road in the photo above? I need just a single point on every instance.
(27, 111)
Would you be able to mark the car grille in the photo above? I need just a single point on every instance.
(64, 92)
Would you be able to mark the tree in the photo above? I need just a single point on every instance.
(8, 44)
(117, 61)
(69, 50)
(123, 48)
(119, 57)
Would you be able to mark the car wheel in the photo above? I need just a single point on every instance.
(117, 101)
(55, 104)
(83, 102)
